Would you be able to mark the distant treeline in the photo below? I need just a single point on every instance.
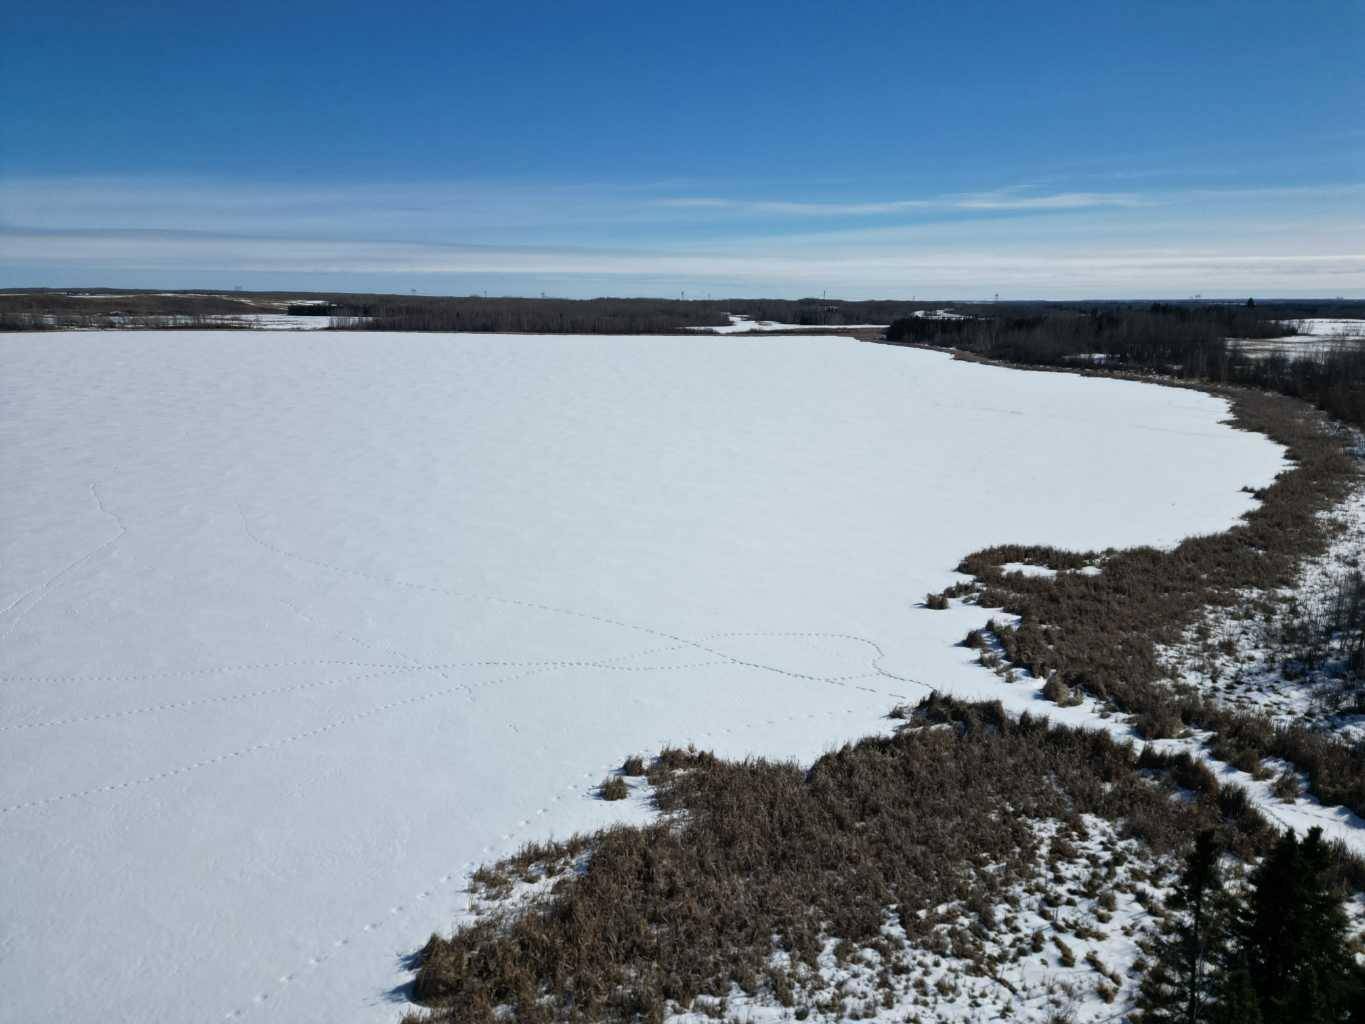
(1180, 340)
(819, 312)
(539, 316)
(43, 309)
(39, 309)
(596, 316)
(1164, 336)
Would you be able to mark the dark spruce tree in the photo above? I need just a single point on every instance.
(1293, 937)
(1235, 1000)
(1277, 952)
(1180, 985)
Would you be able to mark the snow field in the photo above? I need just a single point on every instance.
(296, 630)
(1315, 336)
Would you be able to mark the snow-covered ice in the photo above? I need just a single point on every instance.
(296, 629)
(745, 325)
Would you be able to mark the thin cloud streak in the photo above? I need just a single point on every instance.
(1012, 240)
(1009, 200)
(1112, 271)
(398, 209)
(1002, 200)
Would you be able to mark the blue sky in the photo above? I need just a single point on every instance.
(864, 149)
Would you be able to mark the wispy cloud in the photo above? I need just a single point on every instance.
(501, 212)
(1005, 199)
(1021, 240)
(1114, 270)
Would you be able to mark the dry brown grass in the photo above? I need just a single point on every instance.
(756, 857)
(613, 788)
(1099, 634)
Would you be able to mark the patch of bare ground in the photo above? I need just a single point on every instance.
(923, 870)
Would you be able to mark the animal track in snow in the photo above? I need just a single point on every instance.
(506, 836)
(54, 581)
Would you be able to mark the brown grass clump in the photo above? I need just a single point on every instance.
(1098, 634)
(613, 788)
(1059, 693)
(757, 857)
(1158, 723)
(1286, 787)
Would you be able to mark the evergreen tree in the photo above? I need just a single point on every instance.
(1270, 927)
(1236, 1000)
(1329, 978)
(1179, 986)
(1293, 936)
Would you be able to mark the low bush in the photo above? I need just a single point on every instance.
(1158, 723)
(1058, 692)
(1286, 786)
(614, 788)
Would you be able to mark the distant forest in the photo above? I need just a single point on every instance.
(40, 309)
(1034, 332)
(53, 309)
(1181, 340)
(597, 316)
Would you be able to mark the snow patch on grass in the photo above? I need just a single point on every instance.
(1243, 654)
(1027, 569)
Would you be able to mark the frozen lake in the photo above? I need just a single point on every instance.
(297, 628)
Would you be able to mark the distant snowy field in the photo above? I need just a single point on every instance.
(295, 629)
(1314, 337)
(744, 325)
